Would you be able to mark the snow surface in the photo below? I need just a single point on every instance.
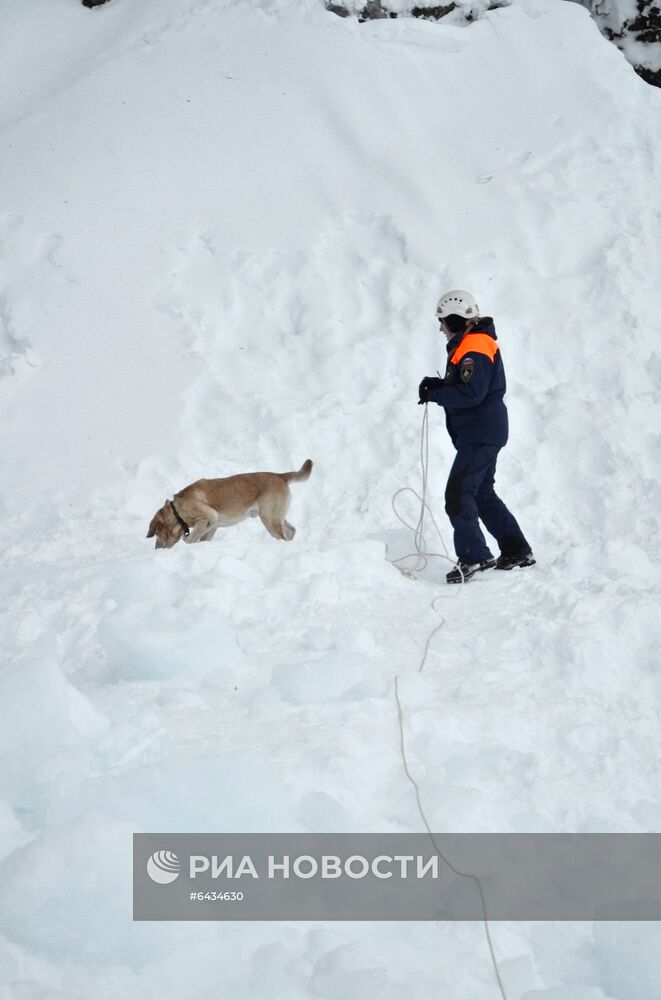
(223, 231)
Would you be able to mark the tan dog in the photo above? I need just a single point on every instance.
(208, 504)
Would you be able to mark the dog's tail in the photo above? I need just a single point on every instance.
(302, 474)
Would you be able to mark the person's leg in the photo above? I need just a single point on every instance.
(471, 465)
(496, 517)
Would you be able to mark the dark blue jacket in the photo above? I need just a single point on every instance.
(473, 388)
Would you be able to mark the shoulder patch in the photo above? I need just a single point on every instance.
(466, 369)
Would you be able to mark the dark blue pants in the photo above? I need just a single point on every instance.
(470, 495)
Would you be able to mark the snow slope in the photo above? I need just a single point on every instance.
(223, 231)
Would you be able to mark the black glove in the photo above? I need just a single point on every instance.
(426, 386)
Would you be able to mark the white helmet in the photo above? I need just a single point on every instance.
(457, 303)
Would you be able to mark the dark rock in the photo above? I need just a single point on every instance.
(646, 26)
(337, 8)
(93, 3)
(433, 13)
(372, 11)
(652, 76)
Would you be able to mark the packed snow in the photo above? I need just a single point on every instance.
(223, 231)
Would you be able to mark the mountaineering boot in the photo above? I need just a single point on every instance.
(510, 562)
(464, 571)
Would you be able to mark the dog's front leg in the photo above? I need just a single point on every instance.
(199, 529)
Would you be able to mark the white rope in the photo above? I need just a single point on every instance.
(422, 557)
(423, 815)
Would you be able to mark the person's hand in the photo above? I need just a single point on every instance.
(426, 386)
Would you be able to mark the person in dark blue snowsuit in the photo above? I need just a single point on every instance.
(471, 394)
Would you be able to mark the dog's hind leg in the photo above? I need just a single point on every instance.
(288, 530)
(273, 527)
(282, 530)
(272, 510)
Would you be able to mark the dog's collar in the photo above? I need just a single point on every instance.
(181, 521)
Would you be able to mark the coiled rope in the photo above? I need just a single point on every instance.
(421, 554)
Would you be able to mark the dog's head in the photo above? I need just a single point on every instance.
(165, 526)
